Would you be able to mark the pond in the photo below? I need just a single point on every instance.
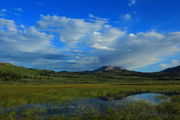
(89, 104)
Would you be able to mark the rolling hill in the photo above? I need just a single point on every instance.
(107, 74)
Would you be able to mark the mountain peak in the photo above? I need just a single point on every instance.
(108, 68)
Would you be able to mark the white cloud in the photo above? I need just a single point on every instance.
(132, 2)
(25, 46)
(87, 44)
(7, 25)
(73, 31)
(173, 63)
(131, 35)
(143, 49)
(70, 30)
(26, 40)
(112, 45)
(127, 16)
(3, 12)
(164, 66)
(97, 46)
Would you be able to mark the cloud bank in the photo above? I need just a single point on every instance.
(62, 43)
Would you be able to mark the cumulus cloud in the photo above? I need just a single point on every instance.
(142, 49)
(87, 44)
(112, 45)
(95, 33)
(25, 45)
(70, 30)
(26, 40)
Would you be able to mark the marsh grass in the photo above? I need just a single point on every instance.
(134, 111)
(13, 95)
(19, 95)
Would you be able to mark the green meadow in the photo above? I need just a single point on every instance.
(24, 86)
(16, 95)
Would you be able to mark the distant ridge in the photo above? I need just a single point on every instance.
(104, 74)
(173, 70)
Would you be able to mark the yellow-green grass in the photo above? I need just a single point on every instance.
(14, 95)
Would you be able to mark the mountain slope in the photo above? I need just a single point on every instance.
(10, 72)
(119, 72)
(9, 68)
(105, 74)
(172, 70)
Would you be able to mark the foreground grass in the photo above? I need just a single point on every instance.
(14, 95)
(19, 95)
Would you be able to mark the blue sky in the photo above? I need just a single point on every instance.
(142, 35)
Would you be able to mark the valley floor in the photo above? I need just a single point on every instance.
(15, 95)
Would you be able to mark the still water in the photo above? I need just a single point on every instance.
(89, 104)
